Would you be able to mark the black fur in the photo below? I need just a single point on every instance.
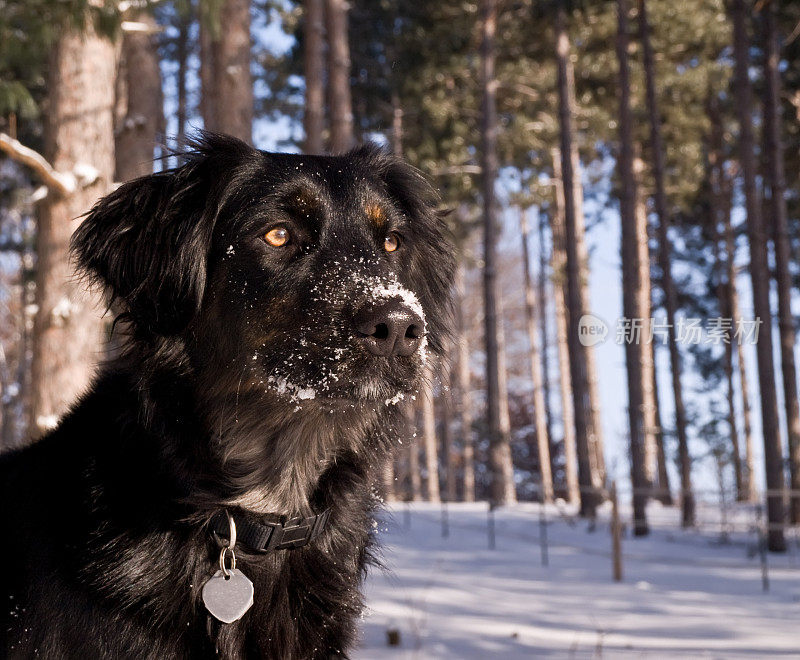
(105, 546)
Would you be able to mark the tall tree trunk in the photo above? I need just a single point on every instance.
(505, 417)
(667, 283)
(414, 476)
(664, 491)
(645, 348)
(387, 477)
(559, 266)
(539, 419)
(597, 454)
(314, 69)
(585, 430)
(500, 465)
(464, 389)
(24, 370)
(545, 338)
(726, 274)
(340, 102)
(397, 125)
(777, 182)
(139, 102)
(446, 408)
(631, 285)
(748, 492)
(227, 84)
(182, 54)
(429, 441)
(759, 275)
(79, 129)
(7, 400)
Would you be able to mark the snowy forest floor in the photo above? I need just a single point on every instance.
(684, 594)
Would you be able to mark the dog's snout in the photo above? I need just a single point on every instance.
(390, 328)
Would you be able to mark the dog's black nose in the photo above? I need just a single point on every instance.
(389, 328)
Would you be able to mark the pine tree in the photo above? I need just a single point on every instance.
(314, 68)
(78, 130)
(631, 285)
(340, 103)
(776, 179)
(582, 405)
(558, 265)
(227, 85)
(139, 101)
(540, 421)
(429, 442)
(759, 276)
(464, 390)
(446, 417)
(667, 283)
(502, 480)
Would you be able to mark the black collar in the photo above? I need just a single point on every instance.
(262, 536)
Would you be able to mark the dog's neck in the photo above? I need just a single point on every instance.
(288, 458)
(266, 455)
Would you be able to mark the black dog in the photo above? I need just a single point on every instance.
(277, 308)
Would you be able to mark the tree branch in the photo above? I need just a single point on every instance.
(63, 183)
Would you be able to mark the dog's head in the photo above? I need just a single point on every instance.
(310, 278)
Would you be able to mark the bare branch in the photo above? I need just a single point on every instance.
(457, 169)
(63, 183)
(140, 27)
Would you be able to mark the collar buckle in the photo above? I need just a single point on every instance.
(270, 536)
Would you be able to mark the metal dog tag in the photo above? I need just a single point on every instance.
(227, 599)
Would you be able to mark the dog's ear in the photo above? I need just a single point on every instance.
(146, 244)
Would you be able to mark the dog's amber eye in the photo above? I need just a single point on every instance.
(391, 242)
(277, 237)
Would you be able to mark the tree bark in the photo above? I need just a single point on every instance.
(387, 477)
(226, 81)
(505, 418)
(429, 441)
(726, 274)
(748, 492)
(67, 336)
(649, 427)
(464, 390)
(597, 454)
(759, 275)
(397, 125)
(500, 465)
(664, 491)
(414, 476)
(631, 284)
(664, 260)
(545, 339)
(446, 410)
(559, 266)
(776, 179)
(314, 68)
(184, 25)
(585, 430)
(340, 102)
(539, 419)
(139, 103)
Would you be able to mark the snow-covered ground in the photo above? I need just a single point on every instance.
(684, 594)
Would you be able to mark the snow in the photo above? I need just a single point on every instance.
(684, 594)
(294, 392)
(397, 398)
